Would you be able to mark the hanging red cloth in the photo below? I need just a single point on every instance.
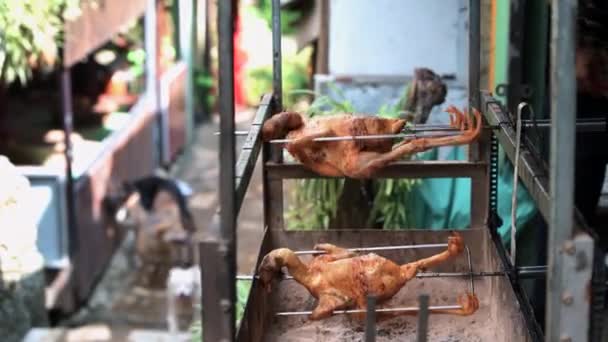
(240, 58)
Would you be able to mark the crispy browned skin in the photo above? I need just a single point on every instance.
(341, 280)
(358, 158)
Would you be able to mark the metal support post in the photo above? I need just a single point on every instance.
(220, 252)
(273, 188)
(474, 53)
(577, 268)
(152, 80)
(370, 319)
(561, 212)
(423, 318)
(68, 113)
(479, 185)
(277, 74)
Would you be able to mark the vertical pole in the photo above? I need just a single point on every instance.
(423, 318)
(277, 76)
(273, 188)
(474, 52)
(370, 319)
(219, 317)
(152, 83)
(66, 101)
(479, 184)
(187, 37)
(563, 126)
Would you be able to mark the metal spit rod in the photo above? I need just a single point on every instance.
(375, 136)
(524, 272)
(589, 125)
(420, 128)
(381, 248)
(353, 311)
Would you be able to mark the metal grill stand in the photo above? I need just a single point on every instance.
(570, 259)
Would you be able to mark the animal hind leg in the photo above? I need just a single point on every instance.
(468, 305)
(334, 252)
(369, 163)
(455, 247)
(328, 303)
(308, 139)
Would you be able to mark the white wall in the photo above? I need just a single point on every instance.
(391, 37)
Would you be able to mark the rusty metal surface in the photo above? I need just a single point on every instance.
(100, 20)
(495, 293)
(404, 169)
(130, 155)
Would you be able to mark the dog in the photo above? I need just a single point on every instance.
(183, 288)
(155, 207)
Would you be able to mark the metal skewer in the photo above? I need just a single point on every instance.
(419, 275)
(381, 248)
(402, 309)
(442, 133)
(420, 128)
(521, 272)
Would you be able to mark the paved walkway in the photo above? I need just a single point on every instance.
(120, 312)
(199, 168)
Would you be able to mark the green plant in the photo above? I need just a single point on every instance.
(203, 88)
(242, 293)
(263, 9)
(315, 201)
(295, 76)
(30, 35)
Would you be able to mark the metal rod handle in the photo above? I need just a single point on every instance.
(353, 311)
(435, 134)
(382, 248)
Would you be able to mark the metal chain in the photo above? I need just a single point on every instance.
(494, 220)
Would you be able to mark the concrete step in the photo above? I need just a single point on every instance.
(103, 333)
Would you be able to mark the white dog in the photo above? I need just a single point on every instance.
(183, 293)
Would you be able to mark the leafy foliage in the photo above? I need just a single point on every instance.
(203, 87)
(30, 35)
(295, 76)
(263, 9)
(315, 201)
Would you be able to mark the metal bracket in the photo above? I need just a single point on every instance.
(577, 263)
(524, 90)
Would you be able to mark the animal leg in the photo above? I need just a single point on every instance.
(468, 303)
(369, 163)
(334, 252)
(280, 124)
(309, 139)
(455, 247)
(327, 304)
(172, 323)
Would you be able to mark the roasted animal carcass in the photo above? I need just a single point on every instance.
(341, 280)
(358, 158)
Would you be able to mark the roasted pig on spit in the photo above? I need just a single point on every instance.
(358, 159)
(341, 280)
